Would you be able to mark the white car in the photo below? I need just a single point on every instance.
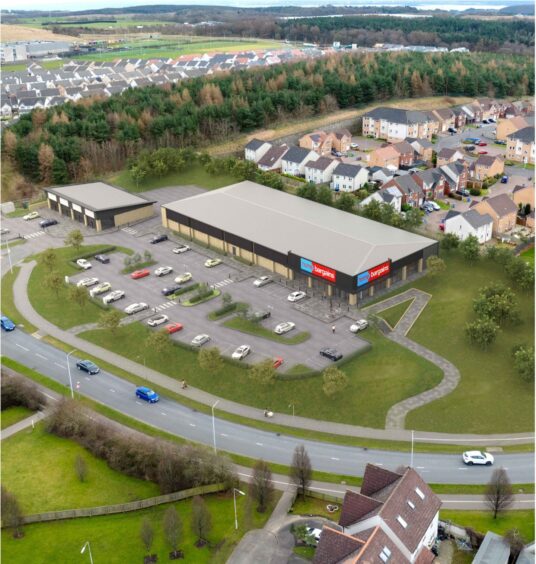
(100, 289)
(83, 263)
(135, 308)
(163, 270)
(359, 325)
(354, 146)
(284, 327)
(181, 249)
(113, 296)
(313, 532)
(241, 352)
(31, 215)
(296, 296)
(182, 278)
(209, 263)
(200, 340)
(262, 281)
(158, 320)
(435, 205)
(471, 457)
(87, 282)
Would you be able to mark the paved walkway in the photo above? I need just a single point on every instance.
(395, 433)
(28, 422)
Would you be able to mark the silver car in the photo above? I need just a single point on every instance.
(284, 327)
(163, 270)
(200, 340)
(158, 320)
(262, 281)
(135, 308)
(86, 282)
(113, 296)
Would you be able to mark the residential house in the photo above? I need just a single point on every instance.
(502, 210)
(293, 162)
(489, 108)
(520, 146)
(460, 117)
(469, 223)
(341, 140)
(406, 154)
(319, 141)
(446, 118)
(507, 126)
(423, 148)
(473, 113)
(486, 166)
(394, 518)
(412, 193)
(256, 149)
(386, 157)
(271, 160)
(391, 196)
(446, 156)
(494, 548)
(380, 175)
(395, 124)
(349, 177)
(523, 195)
(320, 170)
(431, 182)
(455, 175)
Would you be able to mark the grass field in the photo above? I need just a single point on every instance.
(115, 539)
(13, 415)
(393, 314)
(252, 328)
(375, 382)
(39, 468)
(528, 256)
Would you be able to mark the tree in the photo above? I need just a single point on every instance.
(324, 196)
(307, 191)
(435, 266)
(53, 282)
(227, 299)
(210, 359)
(80, 467)
(147, 534)
(74, 239)
(138, 173)
(516, 543)
(261, 487)
(450, 241)
(482, 332)
(11, 512)
(60, 174)
(498, 303)
(413, 218)
(201, 519)
(158, 342)
(110, 320)
(470, 249)
(300, 469)
(172, 528)
(49, 259)
(499, 494)
(520, 272)
(147, 256)
(78, 295)
(46, 160)
(345, 202)
(524, 362)
(263, 372)
(335, 381)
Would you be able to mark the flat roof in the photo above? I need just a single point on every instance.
(286, 223)
(98, 196)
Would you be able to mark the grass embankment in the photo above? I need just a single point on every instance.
(393, 314)
(253, 328)
(528, 256)
(13, 415)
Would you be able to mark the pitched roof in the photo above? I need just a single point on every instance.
(521, 187)
(493, 550)
(396, 115)
(273, 155)
(355, 506)
(344, 169)
(376, 478)
(255, 144)
(477, 220)
(407, 184)
(296, 154)
(320, 164)
(486, 160)
(526, 135)
(340, 133)
(451, 214)
(387, 152)
(335, 546)
(403, 147)
(502, 205)
(447, 153)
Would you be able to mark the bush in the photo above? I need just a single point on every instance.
(17, 391)
(475, 192)
(204, 291)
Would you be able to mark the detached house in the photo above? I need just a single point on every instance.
(341, 140)
(501, 209)
(423, 148)
(412, 193)
(486, 166)
(321, 170)
(256, 149)
(455, 175)
(319, 141)
(393, 519)
(406, 154)
(446, 118)
(293, 161)
(349, 177)
(271, 160)
(520, 146)
(469, 223)
(391, 196)
(523, 195)
(432, 183)
(446, 156)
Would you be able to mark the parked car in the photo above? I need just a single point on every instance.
(470, 148)
(170, 290)
(102, 288)
(48, 222)
(158, 239)
(482, 144)
(284, 327)
(485, 121)
(104, 259)
(427, 206)
(504, 179)
(463, 192)
(147, 394)
(209, 263)
(499, 142)
(173, 328)
(241, 352)
(262, 281)
(471, 457)
(163, 270)
(182, 278)
(179, 249)
(4, 231)
(135, 308)
(482, 152)
(452, 130)
(6, 323)
(359, 325)
(157, 320)
(200, 340)
(84, 264)
(140, 273)
(113, 296)
(31, 215)
(86, 282)
(336, 153)
(278, 361)
(331, 353)
(259, 315)
(492, 120)
(87, 366)
(354, 146)
(314, 533)
(296, 296)
(435, 205)
(442, 226)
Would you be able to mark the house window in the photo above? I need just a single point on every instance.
(402, 522)
(411, 504)
(419, 493)
(385, 554)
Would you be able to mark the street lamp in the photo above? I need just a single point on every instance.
(87, 545)
(69, 372)
(234, 499)
(9, 256)
(214, 425)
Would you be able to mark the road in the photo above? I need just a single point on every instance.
(185, 422)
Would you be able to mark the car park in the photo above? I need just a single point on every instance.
(100, 289)
(358, 325)
(284, 327)
(157, 320)
(200, 340)
(296, 296)
(135, 308)
(113, 296)
(6, 323)
(87, 366)
(278, 361)
(48, 222)
(87, 282)
(331, 354)
(146, 394)
(83, 263)
(163, 270)
(31, 215)
(170, 290)
(173, 328)
(104, 259)
(262, 281)
(472, 457)
(137, 274)
(158, 239)
(241, 352)
(209, 263)
(179, 249)
(182, 278)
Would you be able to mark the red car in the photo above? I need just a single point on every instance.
(173, 328)
(441, 227)
(278, 361)
(482, 152)
(482, 144)
(140, 273)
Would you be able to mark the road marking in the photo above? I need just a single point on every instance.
(129, 230)
(419, 467)
(139, 403)
(49, 396)
(112, 390)
(163, 413)
(41, 356)
(258, 444)
(23, 348)
(462, 468)
(60, 365)
(223, 435)
(378, 463)
(32, 235)
(192, 425)
(332, 458)
(87, 378)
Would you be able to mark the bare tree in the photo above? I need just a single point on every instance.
(201, 520)
(53, 282)
(147, 534)
(78, 295)
(158, 342)
(516, 542)
(499, 495)
(300, 469)
(80, 468)
(110, 320)
(261, 486)
(172, 528)
(11, 512)
(263, 372)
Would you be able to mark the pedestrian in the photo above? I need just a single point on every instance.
(333, 328)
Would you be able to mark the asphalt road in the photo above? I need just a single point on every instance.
(182, 421)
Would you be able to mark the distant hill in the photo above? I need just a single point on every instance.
(521, 9)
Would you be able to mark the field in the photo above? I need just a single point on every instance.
(13, 415)
(26, 32)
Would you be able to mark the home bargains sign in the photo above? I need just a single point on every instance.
(372, 274)
(318, 270)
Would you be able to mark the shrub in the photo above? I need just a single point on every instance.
(475, 192)
(17, 391)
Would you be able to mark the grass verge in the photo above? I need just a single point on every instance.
(253, 328)
(8, 303)
(528, 256)
(13, 415)
(237, 307)
(393, 314)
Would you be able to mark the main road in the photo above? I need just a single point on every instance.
(177, 419)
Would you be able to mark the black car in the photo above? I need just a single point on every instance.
(105, 259)
(158, 239)
(332, 354)
(87, 366)
(48, 222)
(171, 290)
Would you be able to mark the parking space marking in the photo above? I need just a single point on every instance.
(139, 403)
(33, 235)
(333, 458)
(112, 390)
(258, 444)
(223, 435)
(162, 413)
(192, 425)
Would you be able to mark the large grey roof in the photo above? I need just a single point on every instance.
(493, 550)
(526, 135)
(98, 196)
(255, 144)
(477, 220)
(345, 169)
(296, 154)
(283, 222)
(396, 115)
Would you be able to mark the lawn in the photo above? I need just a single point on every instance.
(115, 539)
(528, 255)
(13, 415)
(489, 383)
(393, 314)
(315, 506)
(195, 174)
(8, 304)
(252, 328)
(39, 468)
(375, 382)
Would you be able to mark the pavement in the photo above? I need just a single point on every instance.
(23, 424)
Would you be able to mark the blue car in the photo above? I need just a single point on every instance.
(147, 394)
(87, 366)
(6, 323)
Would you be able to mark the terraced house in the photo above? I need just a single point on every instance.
(520, 146)
(395, 124)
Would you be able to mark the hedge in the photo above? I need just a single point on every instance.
(110, 249)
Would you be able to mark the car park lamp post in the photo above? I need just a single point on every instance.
(234, 499)
(9, 256)
(214, 425)
(69, 372)
(88, 546)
